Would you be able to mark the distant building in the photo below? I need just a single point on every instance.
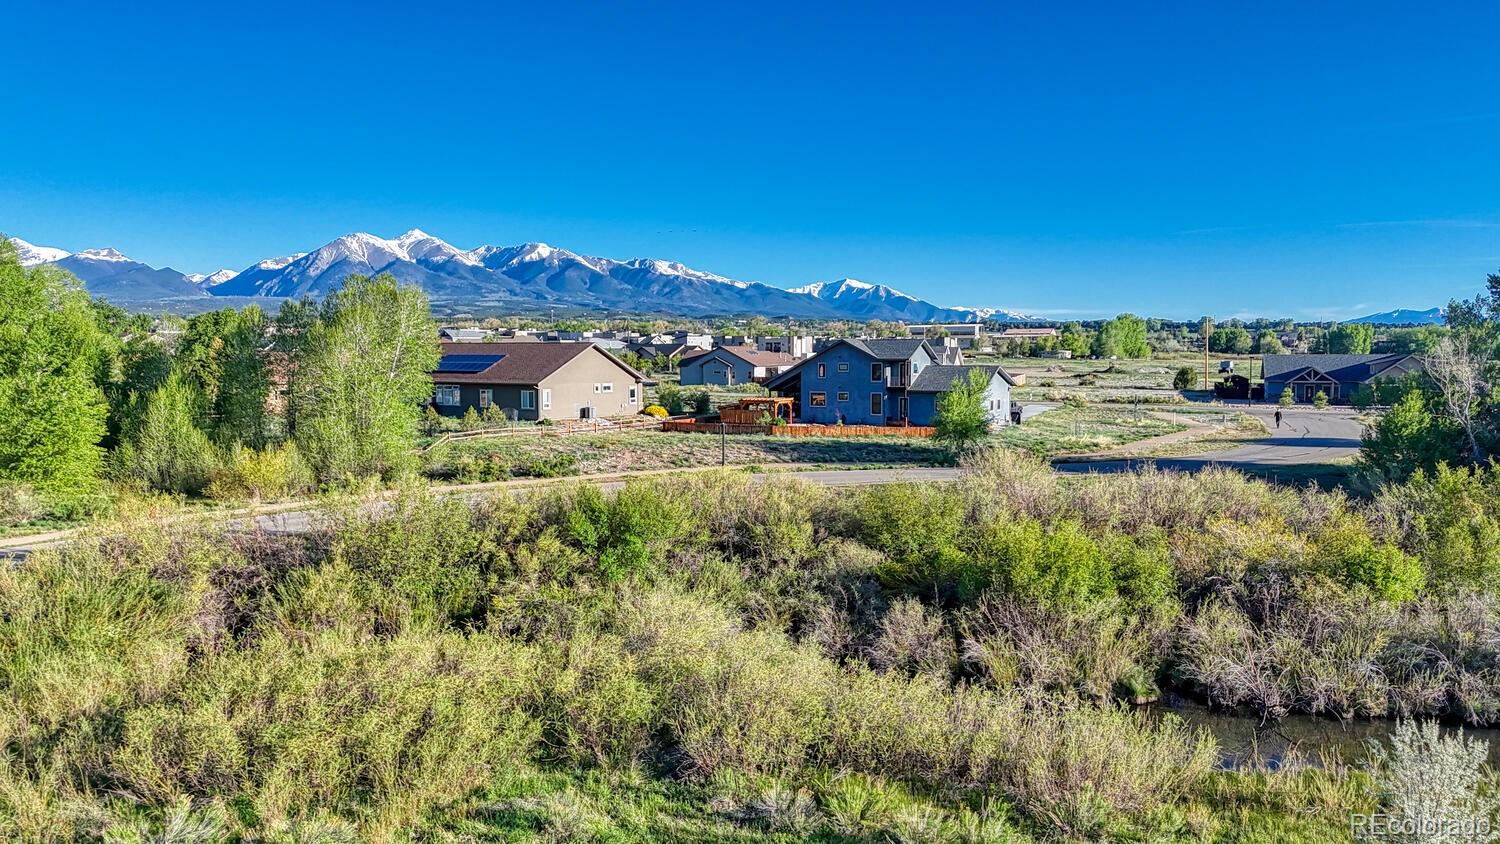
(1336, 376)
(660, 352)
(730, 365)
(462, 335)
(798, 346)
(1028, 333)
(966, 335)
(533, 381)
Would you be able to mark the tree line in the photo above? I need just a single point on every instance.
(239, 401)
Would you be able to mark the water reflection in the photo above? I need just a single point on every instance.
(1245, 742)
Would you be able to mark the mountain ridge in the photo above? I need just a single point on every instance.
(529, 274)
(1402, 316)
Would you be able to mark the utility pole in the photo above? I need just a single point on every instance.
(1205, 329)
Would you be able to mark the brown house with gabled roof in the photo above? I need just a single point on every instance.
(533, 381)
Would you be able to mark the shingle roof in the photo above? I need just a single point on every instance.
(523, 363)
(940, 379)
(748, 354)
(1339, 367)
(888, 349)
(883, 349)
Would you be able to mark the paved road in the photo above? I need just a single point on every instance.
(1305, 437)
(301, 521)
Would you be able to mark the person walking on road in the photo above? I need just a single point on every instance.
(1278, 418)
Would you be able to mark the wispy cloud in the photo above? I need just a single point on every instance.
(1431, 223)
(1215, 230)
(1338, 312)
(1057, 312)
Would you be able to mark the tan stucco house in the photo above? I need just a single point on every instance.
(533, 381)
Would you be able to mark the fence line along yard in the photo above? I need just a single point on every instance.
(557, 429)
(798, 430)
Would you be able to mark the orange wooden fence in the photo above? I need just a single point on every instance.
(799, 430)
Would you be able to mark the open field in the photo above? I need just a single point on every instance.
(1081, 430)
(1065, 430)
(590, 454)
(1141, 380)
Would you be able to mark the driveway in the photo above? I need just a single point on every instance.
(1306, 437)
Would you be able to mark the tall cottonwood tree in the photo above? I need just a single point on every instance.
(363, 378)
(52, 412)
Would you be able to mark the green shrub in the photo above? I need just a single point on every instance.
(1184, 378)
(671, 397)
(420, 562)
(1320, 400)
(19, 504)
(1286, 399)
(604, 711)
(167, 451)
(268, 474)
(1354, 557)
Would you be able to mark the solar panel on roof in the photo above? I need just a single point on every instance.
(467, 363)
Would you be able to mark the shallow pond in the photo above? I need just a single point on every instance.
(1245, 742)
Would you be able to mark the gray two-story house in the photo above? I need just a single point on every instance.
(881, 382)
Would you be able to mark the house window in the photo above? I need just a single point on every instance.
(877, 404)
(843, 366)
(486, 398)
(633, 396)
(817, 399)
(528, 399)
(875, 372)
(822, 370)
(447, 395)
(843, 396)
(607, 387)
(546, 400)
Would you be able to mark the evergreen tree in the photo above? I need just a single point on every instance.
(52, 411)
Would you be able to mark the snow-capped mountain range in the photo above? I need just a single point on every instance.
(492, 277)
(1403, 316)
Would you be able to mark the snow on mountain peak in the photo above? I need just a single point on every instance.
(848, 287)
(212, 279)
(674, 268)
(109, 254)
(31, 254)
(278, 263)
(421, 246)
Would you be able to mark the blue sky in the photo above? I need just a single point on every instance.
(1313, 160)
